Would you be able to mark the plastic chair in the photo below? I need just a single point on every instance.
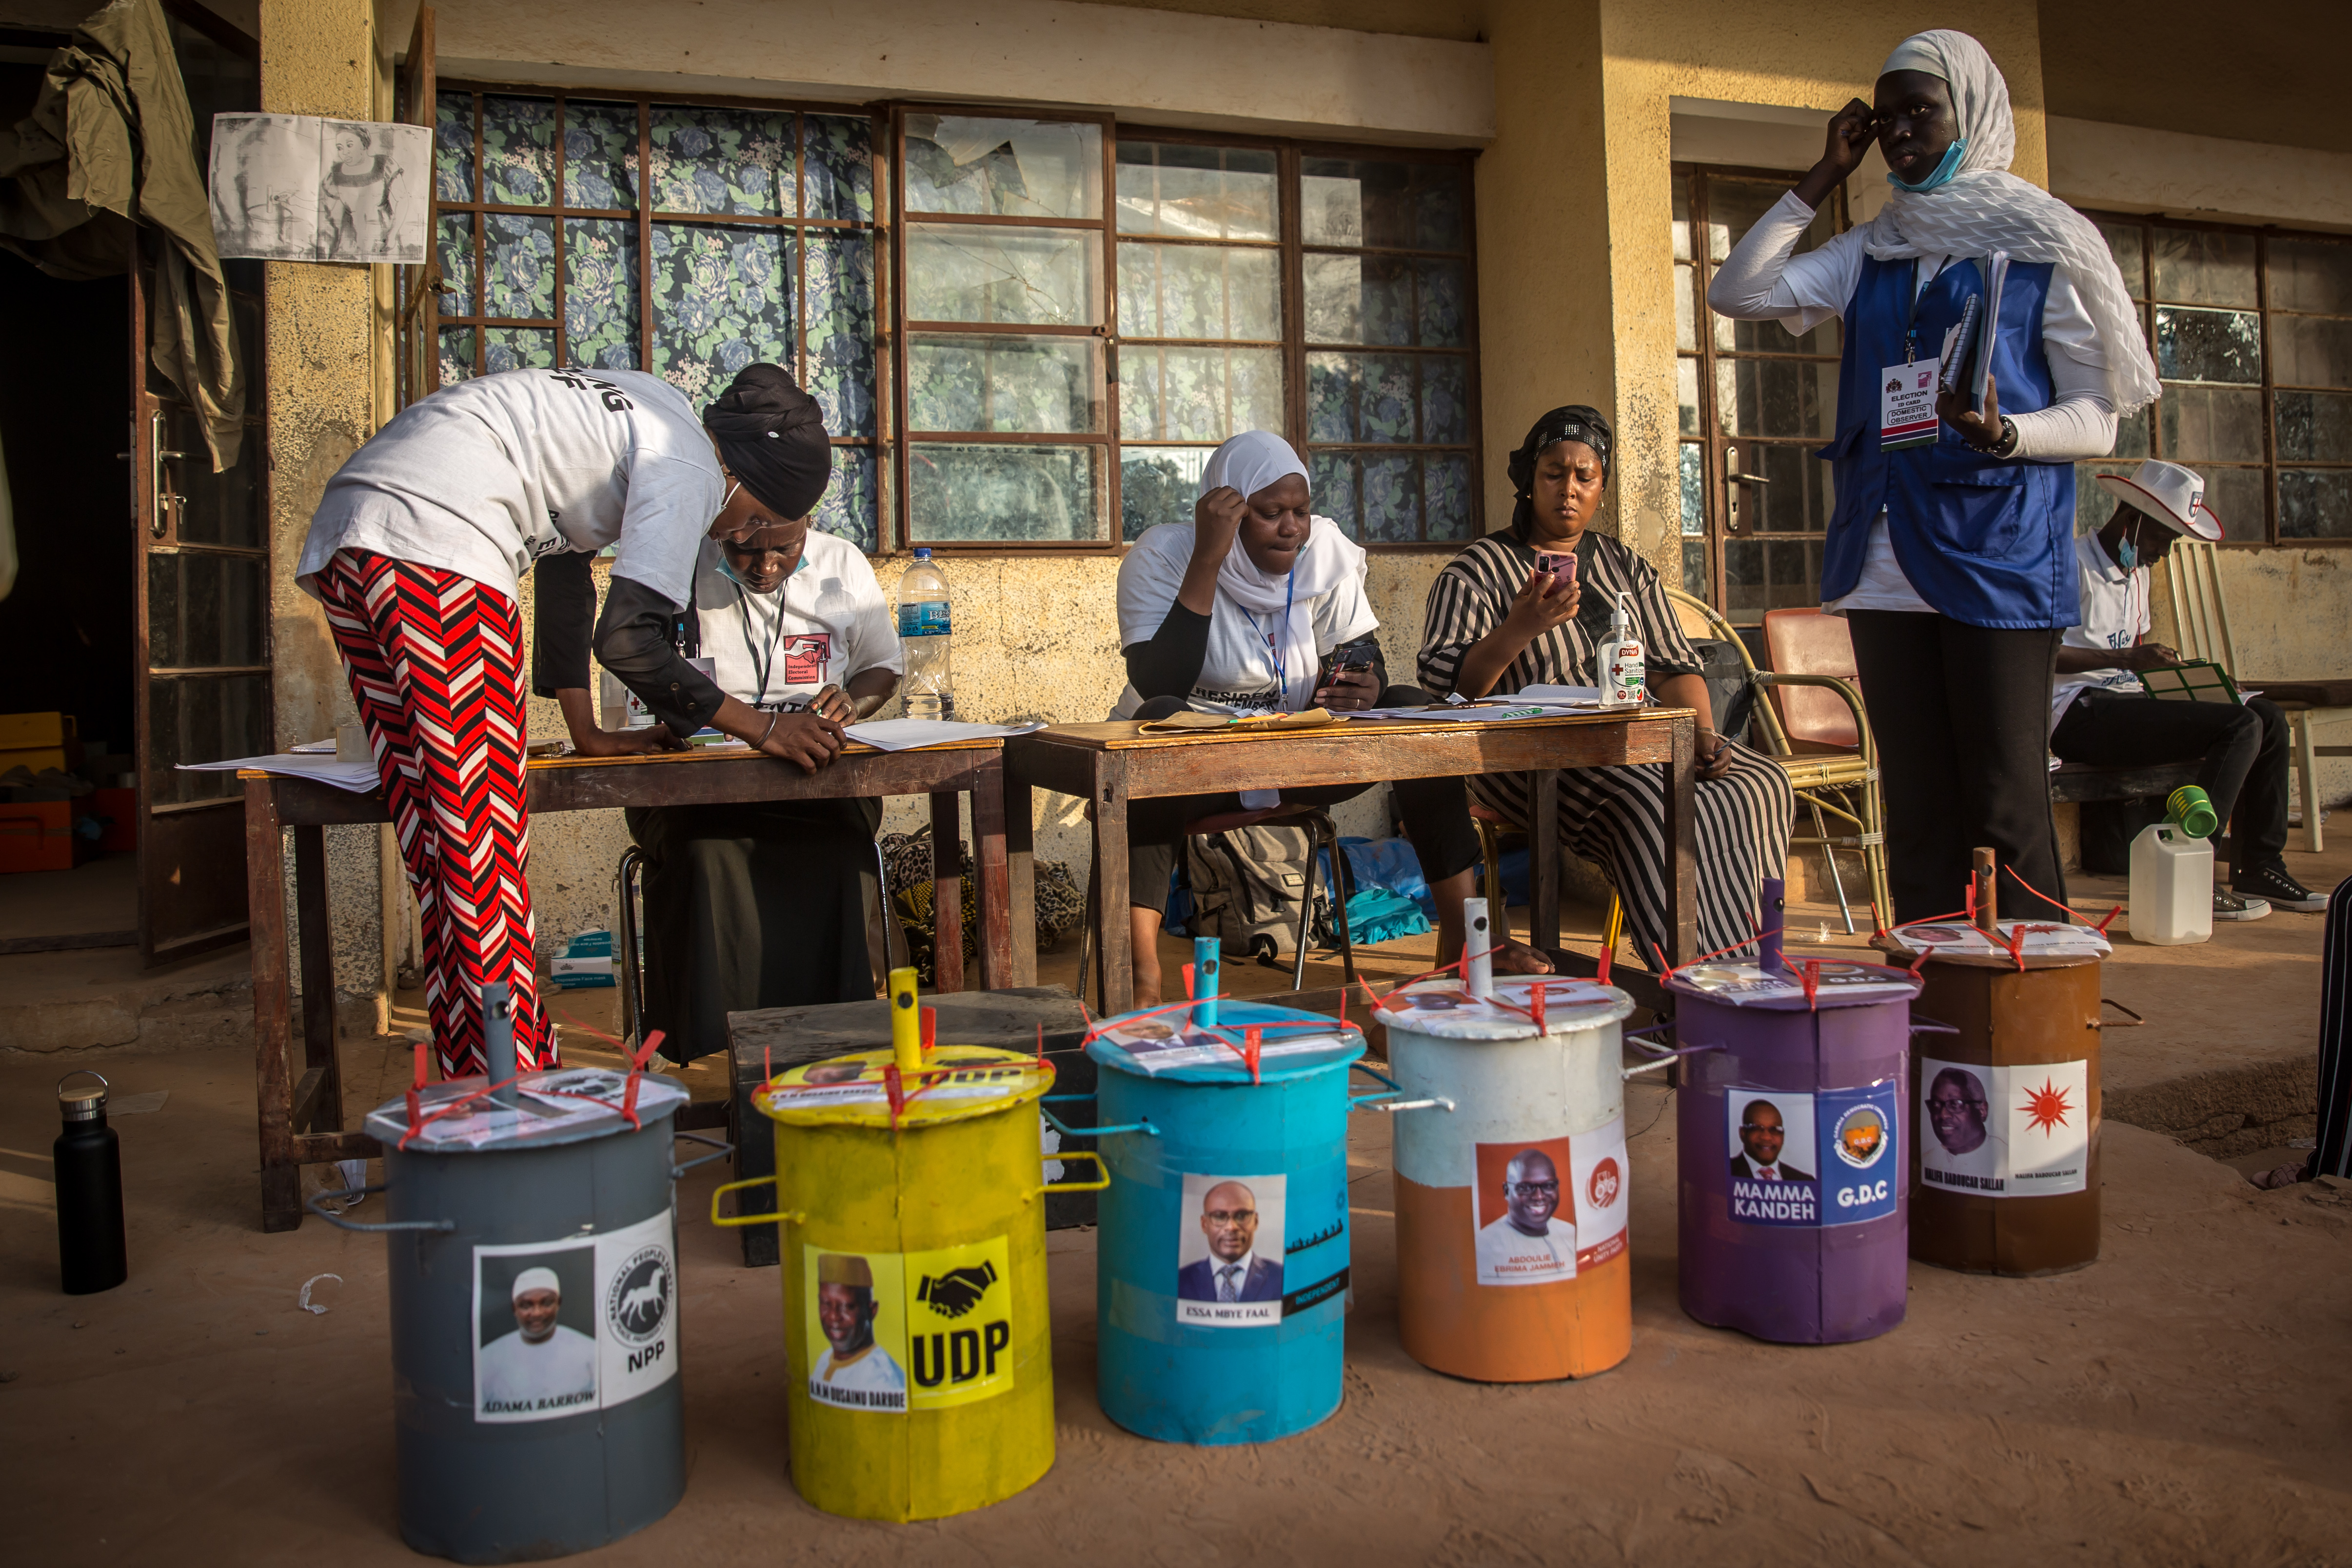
(1320, 828)
(1816, 729)
(2202, 621)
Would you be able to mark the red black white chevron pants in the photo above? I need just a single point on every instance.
(436, 663)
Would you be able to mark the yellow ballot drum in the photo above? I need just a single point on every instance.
(1511, 1178)
(920, 1381)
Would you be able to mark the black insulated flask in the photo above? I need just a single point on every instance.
(89, 1163)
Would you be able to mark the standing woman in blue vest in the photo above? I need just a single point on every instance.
(1952, 560)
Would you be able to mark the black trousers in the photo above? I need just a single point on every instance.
(1436, 814)
(2333, 1155)
(2242, 752)
(752, 905)
(1962, 718)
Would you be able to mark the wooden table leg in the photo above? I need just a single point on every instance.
(265, 878)
(1021, 880)
(947, 894)
(996, 929)
(318, 1092)
(1543, 858)
(1682, 845)
(1117, 933)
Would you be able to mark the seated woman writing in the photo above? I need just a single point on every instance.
(1233, 613)
(1502, 618)
(764, 904)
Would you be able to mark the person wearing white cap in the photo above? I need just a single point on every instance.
(2102, 716)
(1951, 547)
(542, 1367)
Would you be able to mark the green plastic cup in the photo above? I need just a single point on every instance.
(2189, 810)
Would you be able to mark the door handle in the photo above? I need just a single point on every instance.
(1732, 476)
(159, 499)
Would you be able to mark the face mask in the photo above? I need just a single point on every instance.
(2128, 552)
(1940, 175)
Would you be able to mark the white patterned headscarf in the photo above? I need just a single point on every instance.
(1984, 209)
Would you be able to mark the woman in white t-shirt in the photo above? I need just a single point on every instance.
(762, 904)
(416, 551)
(1258, 604)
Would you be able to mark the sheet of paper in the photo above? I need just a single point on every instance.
(357, 777)
(913, 734)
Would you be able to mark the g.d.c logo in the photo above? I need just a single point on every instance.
(1861, 1137)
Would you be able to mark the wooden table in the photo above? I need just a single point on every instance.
(303, 1120)
(1110, 764)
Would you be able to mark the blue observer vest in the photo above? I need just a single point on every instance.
(1983, 540)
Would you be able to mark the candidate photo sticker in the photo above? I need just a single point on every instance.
(1526, 1211)
(1229, 1251)
(2004, 1131)
(1775, 1158)
(889, 1332)
(584, 1323)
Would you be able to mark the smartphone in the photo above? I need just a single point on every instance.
(1352, 657)
(1563, 570)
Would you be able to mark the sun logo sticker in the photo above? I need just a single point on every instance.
(2045, 1108)
(1861, 1137)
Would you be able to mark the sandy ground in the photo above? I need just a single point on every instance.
(2189, 1398)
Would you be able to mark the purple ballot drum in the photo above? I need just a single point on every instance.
(1795, 1196)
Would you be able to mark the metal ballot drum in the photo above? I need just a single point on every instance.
(532, 1245)
(2005, 1163)
(919, 1377)
(1221, 1262)
(1794, 1195)
(1512, 1191)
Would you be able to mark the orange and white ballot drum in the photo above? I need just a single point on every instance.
(1510, 1205)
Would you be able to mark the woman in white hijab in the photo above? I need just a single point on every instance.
(1258, 604)
(1951, 548)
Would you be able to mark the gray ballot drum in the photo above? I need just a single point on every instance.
(532, 1245)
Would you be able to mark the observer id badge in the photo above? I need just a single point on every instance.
(888, 1331)
(1907, 404)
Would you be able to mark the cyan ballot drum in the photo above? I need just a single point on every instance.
(2005, 1161)
(1222, 1258)
(1794, 1193)
(1512, 1188)
(919, 1378)
(532, 1251)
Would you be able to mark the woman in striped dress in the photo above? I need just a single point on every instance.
(1499, 621)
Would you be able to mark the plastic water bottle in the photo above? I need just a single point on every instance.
(924, 624)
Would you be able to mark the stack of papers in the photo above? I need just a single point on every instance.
(564, 1102)
(357, 777)
(914, 734)
(2040, 940)
(1740, 984)
(1158, 1044)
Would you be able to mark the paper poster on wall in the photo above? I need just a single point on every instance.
(888, 1331)
(290, 188)
(583, 1323)
(2005, 1132)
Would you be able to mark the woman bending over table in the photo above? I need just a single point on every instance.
(1235, 611)
(764, 904)
(1501, 618)
(416, 552)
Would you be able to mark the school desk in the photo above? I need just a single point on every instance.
(1110, 764)
(302, 1119)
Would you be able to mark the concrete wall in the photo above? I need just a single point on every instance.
(1155, 67)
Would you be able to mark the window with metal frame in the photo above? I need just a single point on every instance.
(2252, 335)
(685, 237)
(1756, 402)
(1002, 261)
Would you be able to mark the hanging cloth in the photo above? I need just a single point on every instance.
(110, 144)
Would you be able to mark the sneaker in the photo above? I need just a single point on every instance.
(2272, 883)
(2229, 906)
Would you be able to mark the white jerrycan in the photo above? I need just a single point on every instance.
(2172, 887)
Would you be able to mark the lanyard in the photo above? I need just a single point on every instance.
(1273, 649)
(761, 661)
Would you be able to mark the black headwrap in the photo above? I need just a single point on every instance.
(1577, 422)
(771, 435)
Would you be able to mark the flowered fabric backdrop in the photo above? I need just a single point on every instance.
(750, 235)
(742, 266)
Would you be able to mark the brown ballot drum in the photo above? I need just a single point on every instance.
(2005, 1069)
